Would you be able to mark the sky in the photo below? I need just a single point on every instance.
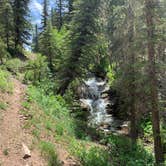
(36, 7)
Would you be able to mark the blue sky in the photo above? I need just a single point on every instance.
(36, 7)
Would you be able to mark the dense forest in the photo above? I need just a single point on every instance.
(88, 81)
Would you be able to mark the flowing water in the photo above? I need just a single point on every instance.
(97, 103)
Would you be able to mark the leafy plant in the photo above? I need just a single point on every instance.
(55, 107)
(123, 154)
(48, 151)
(15, 65)
(89, 156)
(3, 105)
(36, 70)
(5, 152)
(5, 84)
(3, 52)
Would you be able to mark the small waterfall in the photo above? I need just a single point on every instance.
(96, 104)
(96, 99)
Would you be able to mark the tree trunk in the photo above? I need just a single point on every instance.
(153, 82)
(132, 86)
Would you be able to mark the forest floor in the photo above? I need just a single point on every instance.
(13, 135)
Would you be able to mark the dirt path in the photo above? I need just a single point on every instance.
(12, 135)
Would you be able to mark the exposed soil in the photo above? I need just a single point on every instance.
(12, 135)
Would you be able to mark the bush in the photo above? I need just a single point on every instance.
(94, 156)
(15, 65)
(3, 106)
(5, 83)
(36, 70)
(124, 155)
(3, 52)
(56, 108)
(48, 151)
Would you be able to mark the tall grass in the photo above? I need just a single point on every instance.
(5, 83)
(48, 151)
(55, 107)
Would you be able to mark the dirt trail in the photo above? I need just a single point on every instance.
(12, 135)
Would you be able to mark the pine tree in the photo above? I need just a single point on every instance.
(83, 41)
(21, 24)
(6, 15)
(62, 10)
(35, 41)
(45, 15)
(70, 3)
(46, 46)
(54, 18)
(60, 14)
(150, 16)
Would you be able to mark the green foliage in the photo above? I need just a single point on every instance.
(15, 65)
(21, 24)
(83, 43)
(54, 45)
(123, 154)
(110, 75)
(3, 105)
(3, 52)
(89, 156)
(36, 70)
(60, 40)
(6, 152)
(55, 107)
(146, 126)
(48, 151)
(5, 83)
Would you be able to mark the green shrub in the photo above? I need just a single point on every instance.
(3, 51)
(5, 83)
(48, 151)
(15, 65)
(3, 105)
(36, 70)
(124, 155)
(110, 75)
(94, 156)
(6, 152)
(56, 108)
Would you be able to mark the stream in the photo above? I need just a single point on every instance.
(96, 100)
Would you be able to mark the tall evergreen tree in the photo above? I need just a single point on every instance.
(35, 41)
(21, 24)
(45, 15)
(70, 3)
(47, 45)
(6, 17)
(83, 41)
(154, 105)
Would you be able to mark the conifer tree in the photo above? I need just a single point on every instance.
(154, 104)
(60, 12)
(35, 41)
(21, 24)
(6, 20)
(45, 15)
(83, 40)
(46, 45)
